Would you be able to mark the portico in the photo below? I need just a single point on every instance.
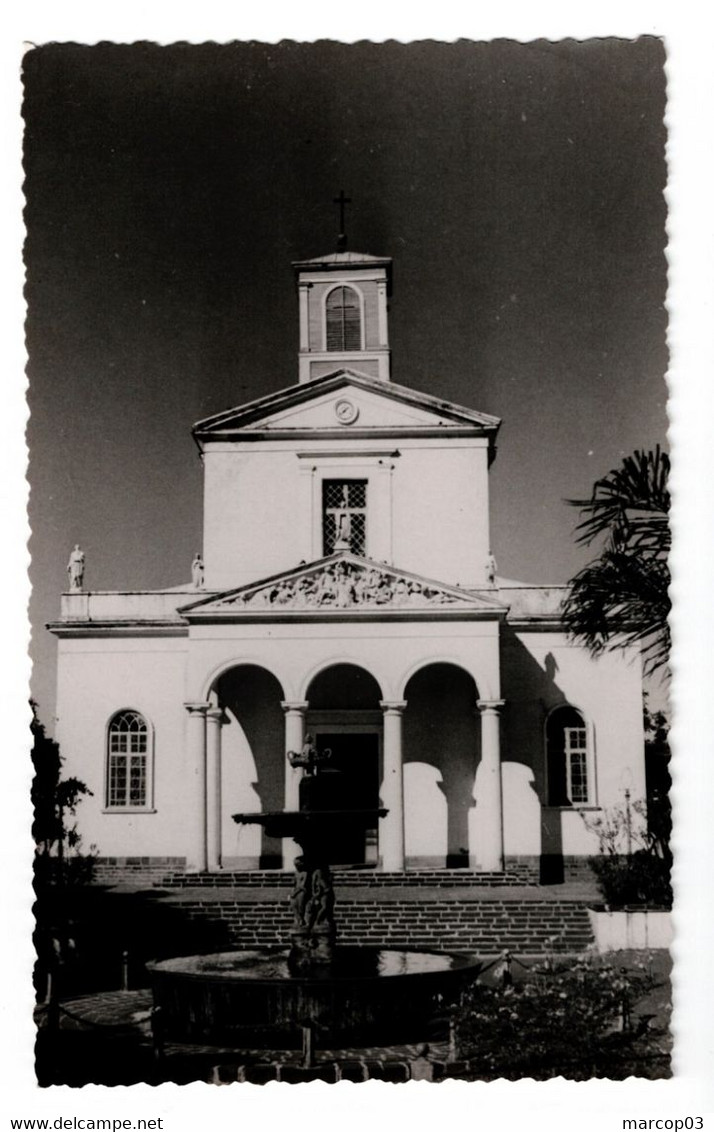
(369, 705)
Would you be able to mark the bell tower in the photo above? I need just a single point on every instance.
(343, 311)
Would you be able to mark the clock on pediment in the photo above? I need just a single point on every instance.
(346, 411)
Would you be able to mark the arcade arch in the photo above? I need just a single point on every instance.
(344, 718)
(441, 731)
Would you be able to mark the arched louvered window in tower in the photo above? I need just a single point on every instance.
(343, 320)
(127, 761)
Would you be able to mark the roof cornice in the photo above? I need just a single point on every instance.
(338, 261)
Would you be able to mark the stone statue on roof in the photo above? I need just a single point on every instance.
(75, 569)
(491, 568)
(197, 572)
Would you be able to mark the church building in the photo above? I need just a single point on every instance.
(345, 597)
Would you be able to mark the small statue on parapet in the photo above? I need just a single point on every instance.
(75, 569)
(309, 758)
(197, 572)
(491, 568)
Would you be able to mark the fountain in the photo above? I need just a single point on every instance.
(351, 995)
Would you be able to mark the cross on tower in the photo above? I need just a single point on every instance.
(342, 200)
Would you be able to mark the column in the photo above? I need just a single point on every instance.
(214, 720)
(196, 767)
(294, 739)
(490, 801)
(391, 827)
(304, 316)
(382, 312)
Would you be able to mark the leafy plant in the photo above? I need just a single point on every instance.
(638, 879)
(627, 877)
(55, 799)
(622, 597)
(563, 1021)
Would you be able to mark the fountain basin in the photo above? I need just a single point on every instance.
(367, 996)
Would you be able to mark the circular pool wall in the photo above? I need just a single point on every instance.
(367, 996)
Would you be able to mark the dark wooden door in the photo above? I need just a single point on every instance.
(351, 782)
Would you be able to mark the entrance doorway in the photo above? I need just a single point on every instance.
(351, 782)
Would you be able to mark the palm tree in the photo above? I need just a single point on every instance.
(622, 598)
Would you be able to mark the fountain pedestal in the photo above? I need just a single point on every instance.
(314, 829)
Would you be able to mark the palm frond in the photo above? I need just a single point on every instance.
(635, 493)
(622, 598)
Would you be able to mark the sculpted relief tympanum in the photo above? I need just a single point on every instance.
(343, 585)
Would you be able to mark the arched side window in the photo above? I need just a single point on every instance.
(568, 759)
(343, 323)
(128, 768)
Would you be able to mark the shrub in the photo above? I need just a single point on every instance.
(639, 879)
(58, 857)
(559, 1022)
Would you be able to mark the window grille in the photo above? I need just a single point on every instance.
(344, 516)
(343, 330)
(568, 758)
(127, 760)
(576, 764)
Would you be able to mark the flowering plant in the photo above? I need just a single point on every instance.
(559, 1021)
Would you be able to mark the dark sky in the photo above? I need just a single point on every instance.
(518, 188)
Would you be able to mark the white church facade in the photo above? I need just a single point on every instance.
(346, 592)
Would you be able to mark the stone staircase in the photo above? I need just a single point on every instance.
(437, 909)
(486, 926)
(446, 911)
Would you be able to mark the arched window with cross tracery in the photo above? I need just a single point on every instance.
(128, 767)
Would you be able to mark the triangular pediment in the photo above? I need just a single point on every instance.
(346, 401)
(343, 259)
(342, 584)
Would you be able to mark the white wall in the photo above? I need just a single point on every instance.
(97, 678)
(608, 692)
(427, 509)
(441, 515)
(254, 516)
(425, 816)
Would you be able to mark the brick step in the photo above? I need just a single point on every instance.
(528, 927)
(353, 878)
